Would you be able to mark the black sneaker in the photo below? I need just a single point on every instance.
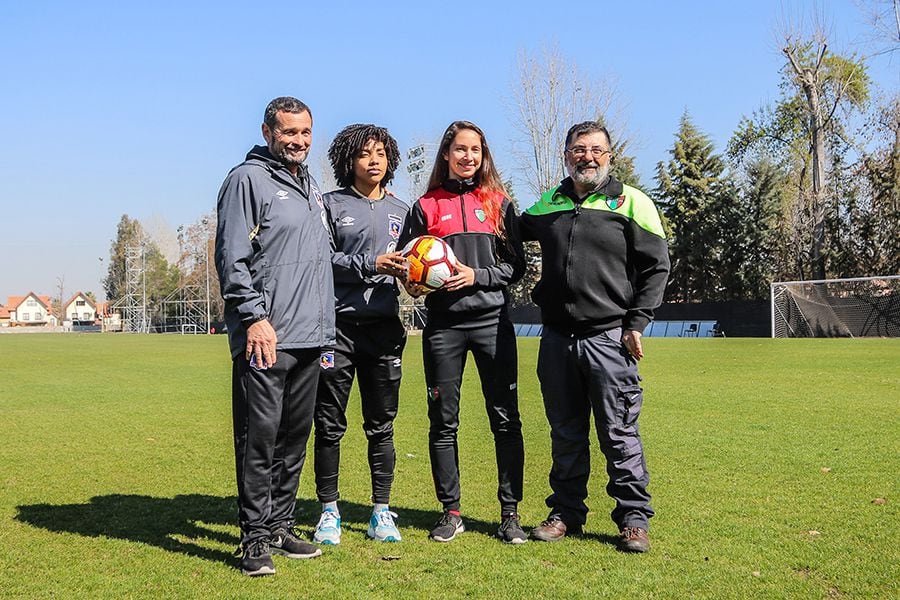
(256, 559)
(510, 531)
(286, 543)
(447, 527)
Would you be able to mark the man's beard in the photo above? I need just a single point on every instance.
(592, 181)
(287, 157)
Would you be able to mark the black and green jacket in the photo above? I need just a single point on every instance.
(604, 260)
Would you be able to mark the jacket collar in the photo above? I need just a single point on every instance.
(612, 188)
(460, 186)
(276, 167)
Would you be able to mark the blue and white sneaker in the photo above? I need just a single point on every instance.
(328, 531)
(382, 527)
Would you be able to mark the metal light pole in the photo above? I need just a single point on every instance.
(208, 323)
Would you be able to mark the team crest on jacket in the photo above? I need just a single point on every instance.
(614, 203)
(479, 214)
(394, 225)
(327, 361)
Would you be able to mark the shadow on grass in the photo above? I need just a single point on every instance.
(180, 524)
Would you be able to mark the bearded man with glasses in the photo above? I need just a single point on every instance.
(605, 263)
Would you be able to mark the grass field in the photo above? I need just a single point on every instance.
(767, 457)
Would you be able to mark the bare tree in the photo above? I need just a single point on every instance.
(550, 93)
(884, 17)
(826, 82)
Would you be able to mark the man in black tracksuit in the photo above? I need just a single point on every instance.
(604, 269)
(365, 224)
(273, 258)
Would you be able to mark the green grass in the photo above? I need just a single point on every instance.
(116, 479)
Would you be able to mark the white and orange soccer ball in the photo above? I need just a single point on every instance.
(431, 261)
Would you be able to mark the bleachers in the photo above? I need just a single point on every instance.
(655, 329)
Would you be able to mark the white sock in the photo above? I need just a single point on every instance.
(379, 507)
(331, 506)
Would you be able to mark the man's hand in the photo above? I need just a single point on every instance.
(391, 263)
(261, 340)
(632, 341)
(465, 276)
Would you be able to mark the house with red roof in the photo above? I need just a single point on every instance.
(79, 308)
(29, 310)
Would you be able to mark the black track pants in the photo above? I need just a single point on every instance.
(373, 353)
(272, 414)
(578, 376)
(494, 349)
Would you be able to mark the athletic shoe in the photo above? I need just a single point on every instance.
(510, 531)
(382, 527)
(328, 531)
(447, 527)
(256, 559)
(286, 543)
(634, 539)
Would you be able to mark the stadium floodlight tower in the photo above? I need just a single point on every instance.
(421, 159)
(134, 303)
(851, 307)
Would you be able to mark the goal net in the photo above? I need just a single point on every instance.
(856, 307)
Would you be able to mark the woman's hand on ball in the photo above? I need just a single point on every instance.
(415, 290)
(464, 277)
(391, 263)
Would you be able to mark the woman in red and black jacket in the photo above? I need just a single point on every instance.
(466, 205)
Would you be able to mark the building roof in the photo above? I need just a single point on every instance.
(13, 302)
(77, 295)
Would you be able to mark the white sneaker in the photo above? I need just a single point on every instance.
(328, 531)
(382, 527)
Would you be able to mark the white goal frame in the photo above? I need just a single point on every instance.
(779, 288)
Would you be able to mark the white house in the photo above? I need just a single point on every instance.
(79, 308)
(29, 309)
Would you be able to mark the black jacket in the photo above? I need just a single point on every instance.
(604, 260)
(456, 213)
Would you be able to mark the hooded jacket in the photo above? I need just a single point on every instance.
(455, 212)
(604, 258)
(362, 229)
(273, 254)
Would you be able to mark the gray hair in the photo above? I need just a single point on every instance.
(284, 104)
(585, 128)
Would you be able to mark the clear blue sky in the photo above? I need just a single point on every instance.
(115, 107)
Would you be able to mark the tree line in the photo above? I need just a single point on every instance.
(807, 187)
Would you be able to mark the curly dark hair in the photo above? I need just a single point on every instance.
(350, 141)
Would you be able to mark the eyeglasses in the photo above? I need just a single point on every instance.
(579, 151)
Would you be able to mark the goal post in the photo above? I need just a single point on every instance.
(851, 307)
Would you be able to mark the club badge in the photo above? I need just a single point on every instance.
(327, 361)
(479, 214)
(395, 223)
(614, 203)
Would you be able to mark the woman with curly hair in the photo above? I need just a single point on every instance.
(466, 205)
(365, 223)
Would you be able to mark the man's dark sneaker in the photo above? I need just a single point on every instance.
(510, 531)
(633, 539)
(286, 543)
(447, 527)
(554, 529)
(256, 559)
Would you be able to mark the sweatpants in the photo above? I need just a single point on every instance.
(580, 375)
(272, 412)
(372, 352)
(494, 348)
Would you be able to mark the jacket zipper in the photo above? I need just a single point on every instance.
(462, 208)
(372, 228)
(569, 249)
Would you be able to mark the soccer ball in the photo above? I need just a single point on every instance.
(431, 261)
